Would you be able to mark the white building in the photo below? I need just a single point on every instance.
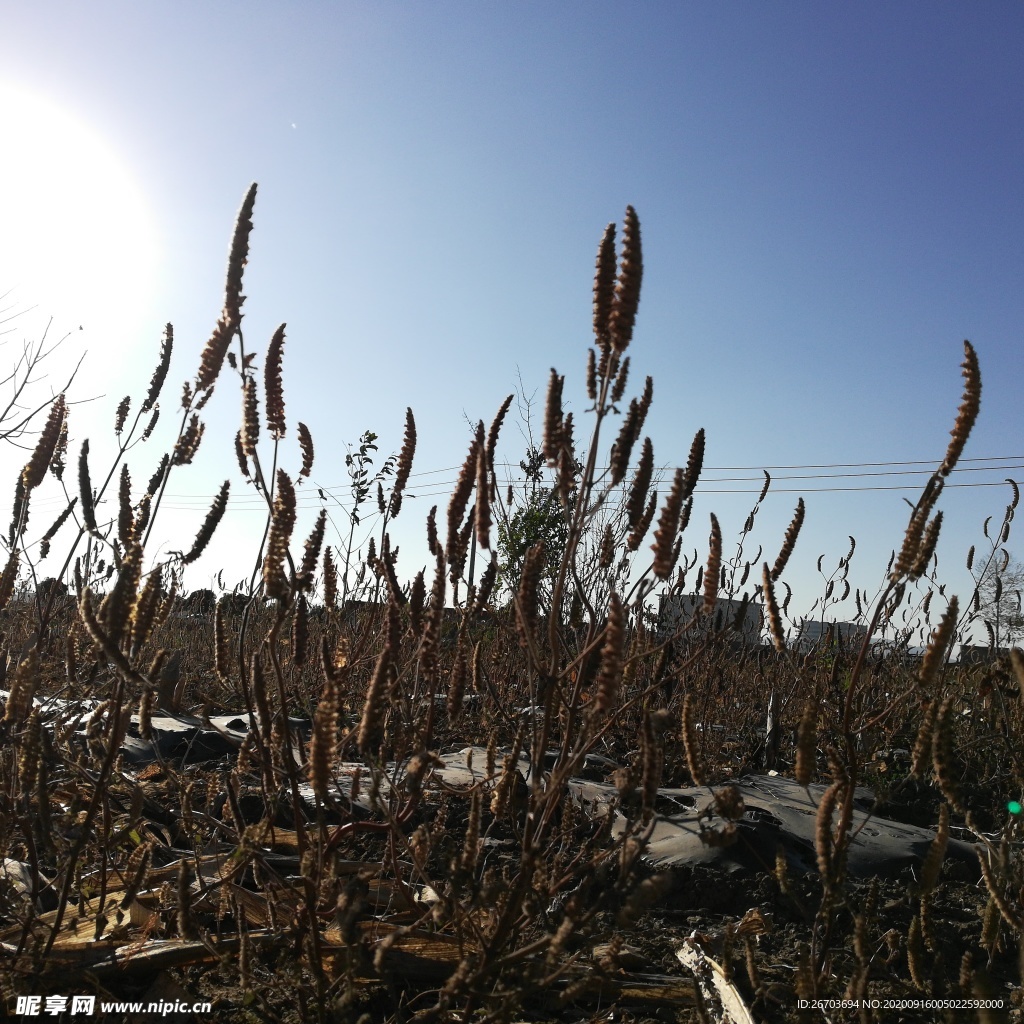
(744, 619)
(814, 634)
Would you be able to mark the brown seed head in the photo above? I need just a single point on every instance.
(160, 373)
(330, 580)
(694, 464)
(239, 254)
(397, 595)
(147, 705)
(457, 681)
(404, 463)
(690, 746)
(641, 482)
(713, 571)
(823, 832)
(916, 956)
(623, 446)
(621, 378)
(33, 474)
(942, 754)
(495, 430)
(212, 360)
(306, 447)
(790, 540)
(44, 544)
(60, 451)
(774, 617)
(371, 725)
(273, 385)
(729, 803)
(117, 606)
(604, 288)
(482, 517)
(968, 411)
(927, 548)
(668, 525)
(432, 624)
(636, 538)
(923, 745)
(124, 506)
(936, 852)
(281, 524)
(459, 501)
(187, 929)
(300, 631)
(210, 524)
(652, 759)
(187, 444)
(243, 466)
(19, 515)
(433, 545)
(122, 414)
(908, 555)
(221, 651)
(627, 288)
(487, 581)
(417, 598)
(311, 552)
(23, 688)
(938, 645)
(648, 893)
(806, 743)
(527, 598)
(250, 434)
(644, 406)
(324, 742)
(609, 677)
(231, 318)
(995, 887)
(684, 519)
(553, 417)
(143, 614)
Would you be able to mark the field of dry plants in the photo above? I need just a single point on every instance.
(348, 798)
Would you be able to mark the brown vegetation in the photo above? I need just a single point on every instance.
(321, 873)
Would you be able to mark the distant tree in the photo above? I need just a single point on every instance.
(200, 602)
(359, 466)
(999, 591)
(540, 517)
(19, 410)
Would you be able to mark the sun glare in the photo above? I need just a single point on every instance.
(77, 240)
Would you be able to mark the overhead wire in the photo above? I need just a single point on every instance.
(250, 501)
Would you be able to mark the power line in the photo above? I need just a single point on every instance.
(753, 469)
(835, 465)
(698, 490)
(331, 488)
(786, 490)
(254, 502)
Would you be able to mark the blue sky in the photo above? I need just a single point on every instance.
(830, 198)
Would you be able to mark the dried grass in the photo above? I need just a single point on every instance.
(554, 661)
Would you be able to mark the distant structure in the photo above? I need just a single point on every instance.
(982, 654)
(897, 651)
(200, 602)
(817, 635)
(742, 620)
(51, 586)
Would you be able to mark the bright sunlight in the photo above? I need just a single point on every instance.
(79, 242)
